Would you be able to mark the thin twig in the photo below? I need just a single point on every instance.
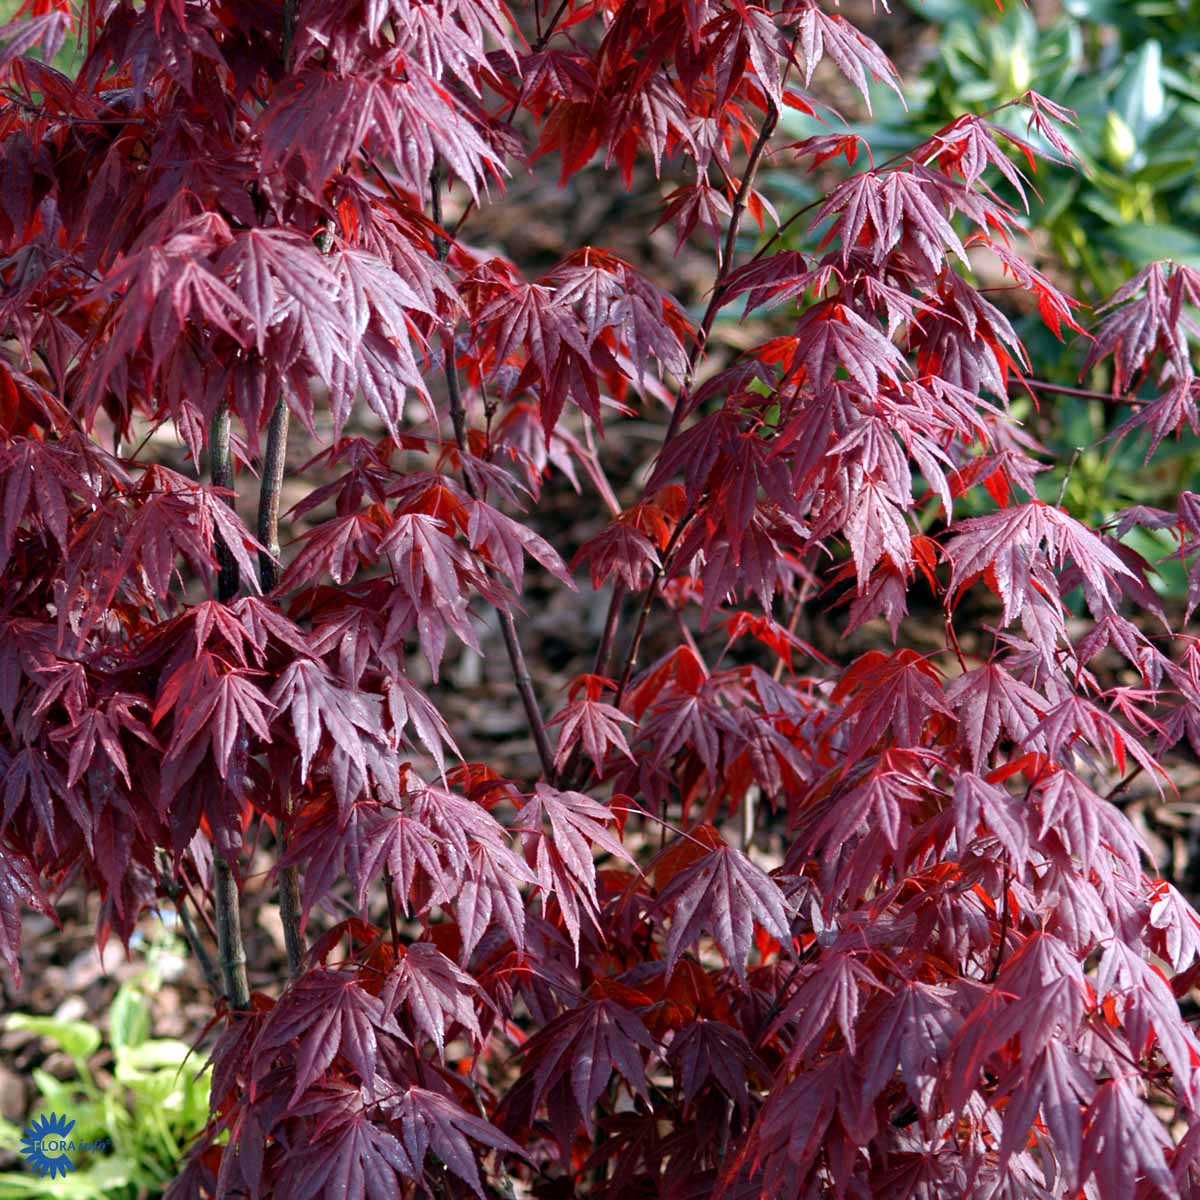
(723, 268)
(1041, 385)
(268, 497)
(1004, 921)
(681, 403)
(178, 897)
(198, 948)
(1121, 787)
(540, 44)
(221, 471)
(289, 31)
(231, 949)
(647, 604)
(458, 418)
(781, 997)
(575, 770)
(600, 666)
(390, 889)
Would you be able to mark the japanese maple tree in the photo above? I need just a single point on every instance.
(963, 977)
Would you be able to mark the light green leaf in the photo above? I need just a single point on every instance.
(1139, 96)
(153, 1055)
(129, 1017)
(77, 1038)
(1146, 243)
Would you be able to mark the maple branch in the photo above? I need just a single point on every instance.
(458, 418)
(289, 30)
(647, 604)
(268, 497)
(1041, 385)
(604, 649)
(290, 907)
(268, 573)
(221, 472)
(1004, 922)
(780, 1000)
(199, 950)
(575, 771)
(546, 33)
(1117, 794)
(724, 264)
(231, 949)
(390, 888)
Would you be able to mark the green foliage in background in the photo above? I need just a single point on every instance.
(70, 54)
(150, 1104)
(1131, 73)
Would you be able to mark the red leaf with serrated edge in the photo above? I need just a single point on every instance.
(574, 1056)
(989, 702)
(19, 889)
(1123, 1144)
(323, 1015)
(722, 894)
(561, 856)
(429, 1122)
(595, 727)
(436, 993)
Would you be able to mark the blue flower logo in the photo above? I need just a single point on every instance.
(44, 1145)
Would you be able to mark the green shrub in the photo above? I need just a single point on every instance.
(149, 1105)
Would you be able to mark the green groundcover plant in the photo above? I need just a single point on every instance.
(142, 1112)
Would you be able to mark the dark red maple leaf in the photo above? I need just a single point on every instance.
(722, 893)
(325, 1014)
(574, 1056)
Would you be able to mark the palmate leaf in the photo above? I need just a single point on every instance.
(912, 1034)
(989, 702)
(835, 990)
(1004, 545)
(39, 482)
(358, 846)
(1055, 1085)
(725, 895)
(593, 725)
(139, 538)
(323, 1015)
(276, 273)
(361, 1158)
(1123, 1144)
(574, 1056)
(358, 1159)
(322, 119)
(881, 798)
(561, 856)
(712, 1050)
(19, 889)
(824, 35)
(310, 695)
(436, 993)
(426, 1121)
(507, 542)
(889, 692)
